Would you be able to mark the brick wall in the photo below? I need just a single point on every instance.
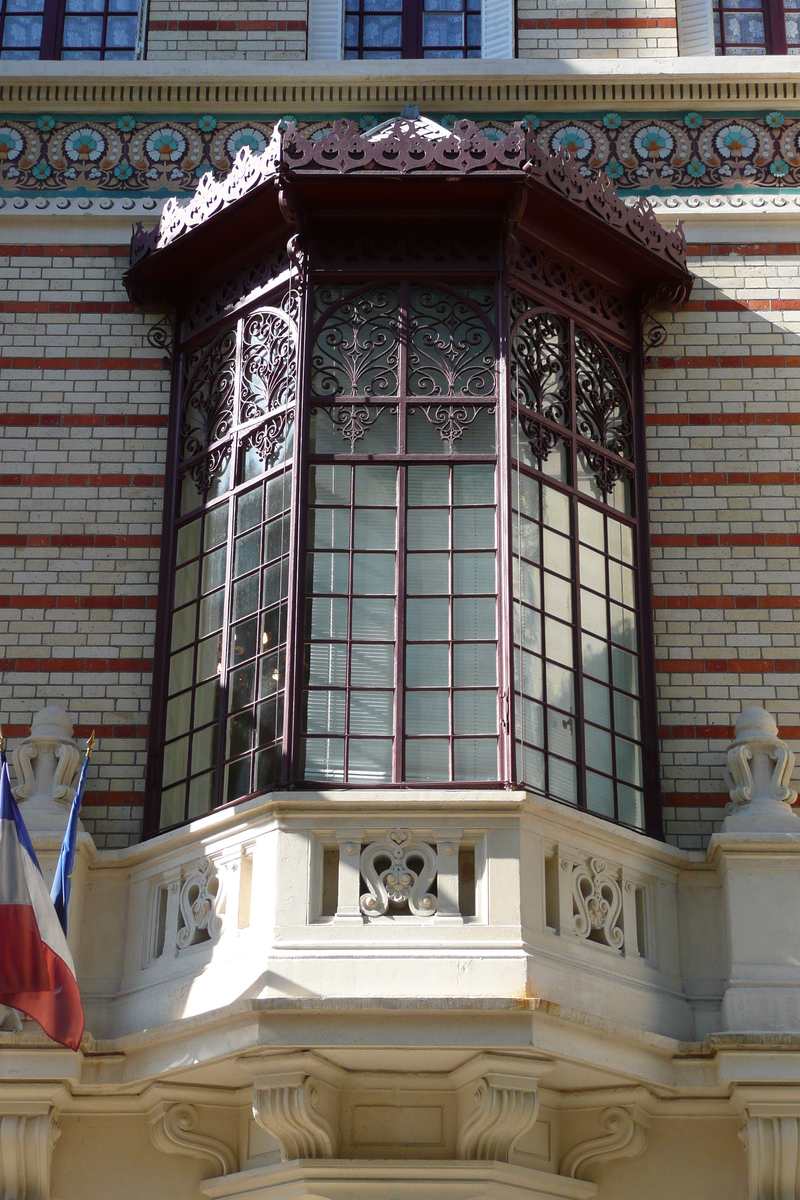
(244, 29)
(626, 29)
(723, 413)
(83, 404)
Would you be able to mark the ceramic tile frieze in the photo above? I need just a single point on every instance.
(655, 155)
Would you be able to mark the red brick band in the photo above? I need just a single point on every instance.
(126, 666)
(66, 306)
(723, 478)
(57, 250)
(83, 420)
(712, 732)
(773, 305)
(723, 361)
(78, 602)
(117, 732)
(112, 799)
(725, 539)
(723, 249)
(226, 26)
(94, 481)
(724, 418)
(82, 364)
(734, 602)
(598, 23)
(728, 666)
(74, 540)
(696, 799)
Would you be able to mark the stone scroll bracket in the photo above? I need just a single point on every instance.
(504, 1106)
(27, 1140)
(299, 1111)
(624, 1136)
(173, 1129)
(46, 766)
(770, 1134)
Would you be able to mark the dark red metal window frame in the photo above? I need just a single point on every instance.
(51, 45)
(776, 39)
(411, 14)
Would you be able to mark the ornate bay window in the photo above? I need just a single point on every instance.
(405, 535)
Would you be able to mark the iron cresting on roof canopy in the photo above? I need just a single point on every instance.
(402, 165)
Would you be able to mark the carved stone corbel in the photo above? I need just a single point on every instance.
(625, 1136)
(505, 1107)
(172, 1129)
(26, 1152)
(771, 1136)
(287, 1106)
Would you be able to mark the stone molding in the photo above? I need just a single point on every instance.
(286, 1105)
(172, 1129)
(771, 1136)
(625, 1136)
(26, 1151)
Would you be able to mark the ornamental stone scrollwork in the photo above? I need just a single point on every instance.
(172, 1129)
(504, 1108)
(624, 1136)
(287, 1106)
(46, 765)
(199, 905)
(597, 902)
(398, 870)
(759, 770)
(26, 1152)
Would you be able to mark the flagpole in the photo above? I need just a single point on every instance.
(62, 882)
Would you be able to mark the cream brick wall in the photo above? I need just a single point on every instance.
(597, 30)
(83, 404)
(723, 409)
(238, 30)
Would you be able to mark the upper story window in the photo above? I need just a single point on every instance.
(757, 26)
(68, 29)
(412, 29)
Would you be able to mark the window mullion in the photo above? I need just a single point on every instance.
(52, 26)
(775, 27)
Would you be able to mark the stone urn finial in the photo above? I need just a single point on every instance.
(46, 765)
(759, 770)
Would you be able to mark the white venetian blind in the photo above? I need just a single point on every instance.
(497, 38)
(695, 27)
(325, 29)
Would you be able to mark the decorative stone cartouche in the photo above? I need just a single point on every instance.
(46, 766)
(759, 769)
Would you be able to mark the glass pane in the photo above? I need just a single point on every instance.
(474, 664)
(178, 713)
(371, 713)
(186, 584)
(83, 32)
(323, 759)
(206, 702)
(245, 596)
(473, 573)
(374, 529)
(558, 641)
(371, 666)
(373, 620)
(595, 657)
(329, 528)
(328, 618)
(428, 666)
(427, 712)
(557, 553)
(429, 485)
(329, 484)
(563, 779)
(593, 613)
(626, 716)
(216, 526)
(596, 703)
(183, 627)
(180, 671)
(327, 664)
(530, 767)
(214, 569)
(475, 759)
(475, 712)
(473, 528)
(529, 718)
(325, 712)
(528, 628)
(474, 620)
(428, 529)
(176, 759)
(530, 675)
(560, 734)
(599, 794)
(630, 805)
(374, 574)
(427, 759)
(590, 527)
(598, 749)
(629, 761)
(188, 542)
(369, 760)
(555, 509)
(429, 620)
(626, 672)
(428, 573)
(560, 687)
(328, 573)
(473, 483)
(211, 610)
(376, 485)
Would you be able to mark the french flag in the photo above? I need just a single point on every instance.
(37, 974)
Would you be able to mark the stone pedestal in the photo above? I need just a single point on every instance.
(758, 856)
(46, 766)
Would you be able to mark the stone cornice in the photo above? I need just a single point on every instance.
(302, 87)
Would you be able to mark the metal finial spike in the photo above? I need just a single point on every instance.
(90, 744)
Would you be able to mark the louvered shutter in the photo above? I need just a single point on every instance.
(325, 33)
(497, 33)
(695, 27)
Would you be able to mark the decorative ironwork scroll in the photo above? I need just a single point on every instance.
(352, 421)
(452, 419)
(540, 373)
(269, 439)
(356, 351)
(269, 355)
(451, 342)
(208, 411)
